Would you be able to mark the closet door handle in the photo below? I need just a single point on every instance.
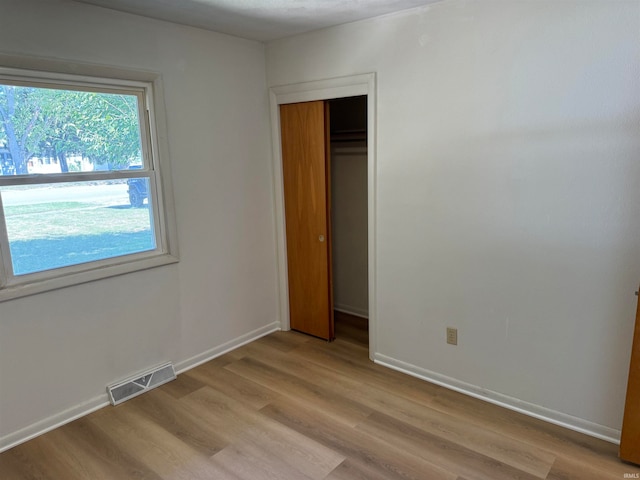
(321, 238)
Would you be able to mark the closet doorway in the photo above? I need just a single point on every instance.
(349, 143)
(324, 164)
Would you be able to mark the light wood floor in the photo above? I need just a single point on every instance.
(290, 406)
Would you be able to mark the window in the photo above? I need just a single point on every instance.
(80, 187)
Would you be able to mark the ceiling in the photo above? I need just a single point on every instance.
(262, 20)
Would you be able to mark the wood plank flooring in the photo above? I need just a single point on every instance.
(289, 406)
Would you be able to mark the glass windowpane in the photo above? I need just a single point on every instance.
(48, 130)
(57, 225)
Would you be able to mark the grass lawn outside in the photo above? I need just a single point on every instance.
(56, 234)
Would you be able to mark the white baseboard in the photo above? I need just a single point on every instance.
(53, 422)
(204, 357)
(96, 403)
(557, 418)
(355, 311)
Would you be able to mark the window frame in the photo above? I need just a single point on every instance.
(147, 88)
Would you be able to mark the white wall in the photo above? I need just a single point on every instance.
(60, 349)
(349, 227)
(507, 201)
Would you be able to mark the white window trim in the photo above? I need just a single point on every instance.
(155, 152)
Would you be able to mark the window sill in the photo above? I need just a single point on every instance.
(19, 290)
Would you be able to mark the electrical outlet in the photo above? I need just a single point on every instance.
(452, 336)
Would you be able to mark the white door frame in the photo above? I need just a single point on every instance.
(328, 89)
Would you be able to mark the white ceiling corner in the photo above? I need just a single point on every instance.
(261, 20)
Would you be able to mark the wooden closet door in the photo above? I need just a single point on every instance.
(305, 174)
(630, 441)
